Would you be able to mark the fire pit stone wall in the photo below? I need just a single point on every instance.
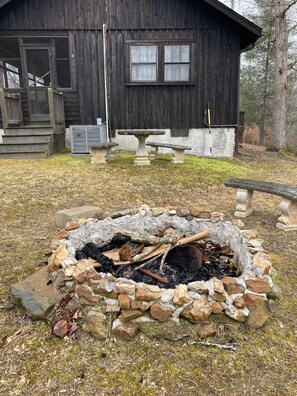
(125, 307)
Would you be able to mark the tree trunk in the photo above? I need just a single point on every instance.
(264, 106)
(279, 129)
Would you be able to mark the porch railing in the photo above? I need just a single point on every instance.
(56, 110)
(11, 109)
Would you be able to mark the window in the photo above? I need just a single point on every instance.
(10, 63)
(160, 63)
(177, 63)
(143, 63)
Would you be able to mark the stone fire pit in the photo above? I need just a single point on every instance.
(123, 307)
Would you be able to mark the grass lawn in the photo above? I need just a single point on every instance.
(34, 362)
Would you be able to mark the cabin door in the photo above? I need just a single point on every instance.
(38, 78)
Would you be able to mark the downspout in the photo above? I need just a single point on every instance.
(104, 29)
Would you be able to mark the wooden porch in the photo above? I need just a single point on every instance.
(36, 138)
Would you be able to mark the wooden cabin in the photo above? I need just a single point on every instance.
(160, 64)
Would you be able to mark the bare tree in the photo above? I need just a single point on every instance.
(279, 129)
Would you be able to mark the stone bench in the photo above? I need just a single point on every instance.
(288, 206)
(178, 151)
(102, 152)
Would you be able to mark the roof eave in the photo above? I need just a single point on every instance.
(244, 22)
(3, 2)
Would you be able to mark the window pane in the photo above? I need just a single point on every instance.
(38, 67)
(177, 53)
(177, 72)
(143, 73)
(143, 54)
(62, 48)
(63, 73)
(11, 73)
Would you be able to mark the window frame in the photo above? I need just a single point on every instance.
(160, 44)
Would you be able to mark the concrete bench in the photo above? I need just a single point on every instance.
(178, 151)
(288, 206)
(102, 152)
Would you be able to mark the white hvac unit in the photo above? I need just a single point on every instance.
(84, 136)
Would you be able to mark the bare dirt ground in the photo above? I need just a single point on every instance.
(34, 362)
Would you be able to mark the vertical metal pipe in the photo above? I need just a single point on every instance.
(104, 29)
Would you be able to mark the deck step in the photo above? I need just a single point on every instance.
(37, 154)
(26, 139)
(40, 130)
(24, 148)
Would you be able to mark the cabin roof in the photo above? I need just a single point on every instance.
(250, 32)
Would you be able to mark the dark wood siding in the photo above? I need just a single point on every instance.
(216, 44)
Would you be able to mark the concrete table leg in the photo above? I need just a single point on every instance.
(244, 203)
(142, 158)
(288, 220)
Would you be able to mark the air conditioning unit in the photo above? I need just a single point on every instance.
(83, 136)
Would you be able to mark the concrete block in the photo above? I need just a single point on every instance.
(74, 214)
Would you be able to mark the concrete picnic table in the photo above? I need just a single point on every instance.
(142, 157)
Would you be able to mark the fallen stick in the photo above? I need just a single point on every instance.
(213, 344)
(160, 278)
(7, 307)
(164, 257)
(182, 241)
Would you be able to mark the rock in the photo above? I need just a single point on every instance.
(250, 234)
(205, 329)
(239, 315)
(61, 328)
(239, 303)
(181, 295)
(83, 271)
(231, 286)
(55, 260)
(238, 223)
(262, 261)
(142, 305)
(200, 213)
(183, 212)
(199, 287)
(103, 287)
(146, 295)
(216, 217)
(167, 296)
(259, 310)
(218, 297)
(72, 225)
(198, 311)
(37, 295)
(60, 278)
(258, 285)
(120, 213)
(96, 324)
(72, 306)
(218, 285)
(124, 301)
(160, 313)
(125, 286)
(62, 234)
(74, 214)
(171, 330)
(129, 314)
(217, 307)
(86, 296)
(125, 331)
